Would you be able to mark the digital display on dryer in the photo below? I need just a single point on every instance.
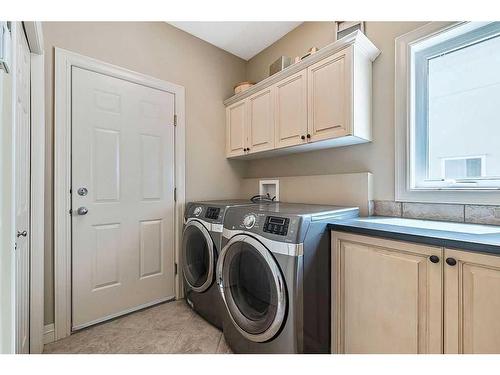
(276, 225)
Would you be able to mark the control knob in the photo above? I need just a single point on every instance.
(197, 211)
(249, 221)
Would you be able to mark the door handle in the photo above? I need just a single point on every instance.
(82, 211)
(22, 234)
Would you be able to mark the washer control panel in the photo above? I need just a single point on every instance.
(276, 225)
(212, 213)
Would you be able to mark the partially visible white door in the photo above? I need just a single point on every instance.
(123, 223)
(22, 190)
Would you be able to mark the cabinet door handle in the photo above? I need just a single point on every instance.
(309, 136)
(434, 259)
(303, 137)
(451, 261)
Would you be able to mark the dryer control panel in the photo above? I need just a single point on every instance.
(276, 225)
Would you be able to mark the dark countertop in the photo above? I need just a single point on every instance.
(471, 237)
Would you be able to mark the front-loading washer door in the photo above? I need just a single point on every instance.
(198, 256)
(252, 287)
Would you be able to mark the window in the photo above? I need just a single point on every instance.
(451, 116)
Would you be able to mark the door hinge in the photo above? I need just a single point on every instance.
(175, 268)
(175, 120)
(175, 194)
(70, 211)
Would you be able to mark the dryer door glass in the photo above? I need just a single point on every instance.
(198, 256)
(253, 289)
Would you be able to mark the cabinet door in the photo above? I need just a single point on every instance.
(291, 110)
(472, 303)
(236, 133)
(261, 121)
(387, 296)
(329, 96)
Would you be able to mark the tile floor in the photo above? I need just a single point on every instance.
(171, 327)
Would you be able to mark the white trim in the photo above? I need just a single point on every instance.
(35, 41)
(7, 211)
(64, 61)
(34, 33)
(402, 122)
(48, 334)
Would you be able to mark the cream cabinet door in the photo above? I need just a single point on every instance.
(472, 302)
(261, 121)
(291, 110)
(236, 132)
(386, 296)
(329, 96)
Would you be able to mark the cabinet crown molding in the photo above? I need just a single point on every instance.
(356, 39)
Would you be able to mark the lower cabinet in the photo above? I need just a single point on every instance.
(472, 302)
(387, 296)
(399, 297)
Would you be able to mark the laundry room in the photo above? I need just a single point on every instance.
(194, 182)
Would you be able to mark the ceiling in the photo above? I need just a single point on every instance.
(243, 39)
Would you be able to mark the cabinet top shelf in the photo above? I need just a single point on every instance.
(356, 38)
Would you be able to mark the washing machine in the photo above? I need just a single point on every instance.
(201, 241)
(273, 275)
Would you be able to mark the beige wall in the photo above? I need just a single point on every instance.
(376, 157)
(164, 52)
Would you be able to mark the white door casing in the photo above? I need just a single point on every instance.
(22, 191)
(123, 154)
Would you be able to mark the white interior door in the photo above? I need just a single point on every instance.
(123, 154)
(22, 190)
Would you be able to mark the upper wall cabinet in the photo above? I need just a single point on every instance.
(260, 124)
(321, 102)
(291, 110)
(329, 92)
(236, 136)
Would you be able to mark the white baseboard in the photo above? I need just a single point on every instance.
(48, 333)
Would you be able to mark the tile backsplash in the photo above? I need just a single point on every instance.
(462, 213)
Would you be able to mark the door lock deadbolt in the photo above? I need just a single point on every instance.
(82, 191)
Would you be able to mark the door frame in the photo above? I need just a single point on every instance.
(64, 61)
(34, 36)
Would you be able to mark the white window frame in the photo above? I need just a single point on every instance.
(405, 110)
